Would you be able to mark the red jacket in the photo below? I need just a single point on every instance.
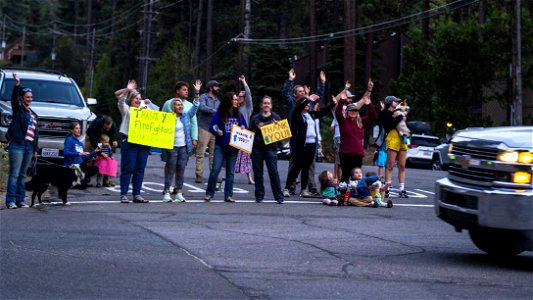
(351, 135)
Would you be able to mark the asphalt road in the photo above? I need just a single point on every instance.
(98, 248)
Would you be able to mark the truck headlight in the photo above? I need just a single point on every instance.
(525, 157)
(522, 178)
(5, 118)
(508, 156)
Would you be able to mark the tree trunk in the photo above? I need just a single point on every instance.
(425, 19)
(283, 17)
(209, 40)
(197, 40)
(349, 41)
(369, 55)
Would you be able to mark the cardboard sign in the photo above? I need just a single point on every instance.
(242, 139)
(276, 131)
(152, 128)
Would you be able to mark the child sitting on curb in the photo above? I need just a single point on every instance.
(328, 188)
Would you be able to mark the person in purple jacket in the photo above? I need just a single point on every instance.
(226, 116)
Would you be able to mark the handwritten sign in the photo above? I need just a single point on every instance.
(152, 128)
(242, 139)
(276, 131)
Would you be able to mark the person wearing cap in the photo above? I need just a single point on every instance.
(303, 141)
(209, 104)
(396, 147)
(351, 127)
(22, 137)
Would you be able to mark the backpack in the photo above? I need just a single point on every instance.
(380, 139)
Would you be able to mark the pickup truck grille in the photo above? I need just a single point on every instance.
(55, 127)
(471, 175)
(475, 152)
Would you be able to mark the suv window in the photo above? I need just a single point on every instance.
(46, 91)
(425, 141)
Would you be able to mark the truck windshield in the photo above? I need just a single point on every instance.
(45, 91)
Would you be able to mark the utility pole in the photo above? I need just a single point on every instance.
(91, 63)
(3, 38)
(144, 58)
(88, 46)
(53, 55)
(517, 66)
(23, 42)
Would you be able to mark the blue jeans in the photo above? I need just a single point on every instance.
(19, 160)
(270, 157)
(176, 161)
(133, 158)
(220, 155)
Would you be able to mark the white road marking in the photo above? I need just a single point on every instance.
(424, 191)
(221, 201)
(192, 189)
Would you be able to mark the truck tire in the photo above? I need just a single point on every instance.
(494, 243)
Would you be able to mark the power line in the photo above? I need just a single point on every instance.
(362, 30)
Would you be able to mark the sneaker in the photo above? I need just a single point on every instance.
(258, 200)
(110, 183)
(375, 203)
(180, 198)
(66, 203)
(167, 198)
(207, 198)
(139, 199)
(314, 192)
(389, 204)
(124, 199)
(286, 193)
(23, 205)
(305, 193)
(279, 201)
(229, 200)
(403, 194)
(198, 180)
(12, 206)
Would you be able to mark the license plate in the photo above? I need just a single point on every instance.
(50, 152)
(474, 162)
(426, 153)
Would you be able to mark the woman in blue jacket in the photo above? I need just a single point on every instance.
(176, 158)
(22, 137)
(75, 154)
(226, 116)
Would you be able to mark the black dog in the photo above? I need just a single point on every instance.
(61, 177)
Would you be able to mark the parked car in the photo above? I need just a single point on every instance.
(57, 101)
(489, 189)
(421, 148)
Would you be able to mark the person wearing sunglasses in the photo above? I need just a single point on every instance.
(22, 137)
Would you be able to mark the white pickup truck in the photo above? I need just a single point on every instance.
(488, 190)
(57, 101)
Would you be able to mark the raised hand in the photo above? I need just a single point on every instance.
(334, 99)
(243, 80)
(314, 97)
(370, 85)
(292, 74)
(197, 85)
(132, 84)
(307, 89)
(366, 100)
(322, 76)
(16, 77)
(347, 85)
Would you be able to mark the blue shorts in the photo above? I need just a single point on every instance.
(382, 159)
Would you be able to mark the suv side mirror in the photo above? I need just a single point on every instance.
(91, 101)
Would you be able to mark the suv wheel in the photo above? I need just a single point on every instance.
(435, 165)
(495, 243)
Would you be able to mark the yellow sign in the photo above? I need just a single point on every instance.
(152, 128)
(276, 131)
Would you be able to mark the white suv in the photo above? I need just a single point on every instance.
(421, 150)
(57, 100)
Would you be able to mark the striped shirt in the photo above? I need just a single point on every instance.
(30, 133)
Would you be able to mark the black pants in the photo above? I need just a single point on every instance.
(348, 162)
(302, 157)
